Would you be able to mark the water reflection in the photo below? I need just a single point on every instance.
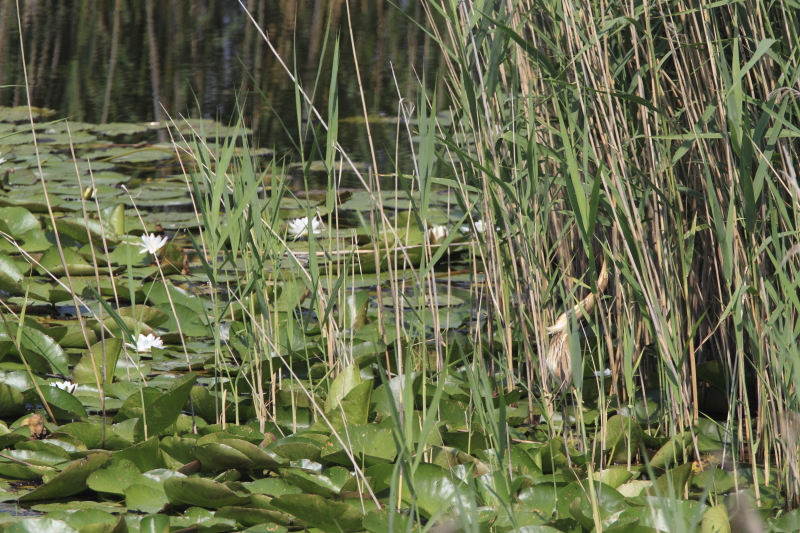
(134, 60)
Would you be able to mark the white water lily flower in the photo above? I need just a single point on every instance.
(145, 344)
(480, 227)
(606, 373)
(65, 385)
(299, 226)
(437, 233)
(152, 243)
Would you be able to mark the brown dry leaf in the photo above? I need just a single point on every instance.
(35, 423)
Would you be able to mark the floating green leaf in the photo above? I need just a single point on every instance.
(12, 402)
(40, 525)
(85, 231)
(378, 522)
(41, 349)
(17, 221)
(68, 482)
(435, 490)
(370, 444)
(324, 514)
(64, 405)
(164, 410)
(113, 477)
(144, 498)
(154, 524)
(204, 493)
(346, 381)
(144, 455)
(108, 351)
(715, 520)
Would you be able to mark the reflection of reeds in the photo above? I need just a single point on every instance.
(112, 60)
(89, 60)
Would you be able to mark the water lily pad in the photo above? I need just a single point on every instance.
(12, 402)
(144, 455)
(634, 488)
(436, 490)
(378, 522)
(207, 405)
(64, 139)
(715, 480)
(87, 518)
(180, 449)
(38, 345)
(144, 498)
(150, 154)
(353, 409)
(27, 472)
(51, 458)
(23, 113)
(64, 405)
(62, 126)
(134, 404)
(76, 505)
(158, 523)
(108, 351)
(295, 448)
(114, 477)
(614, 476)
(146, 493)
(118, 128)
(716, 520)
(255, 455)
(129, 255)
(13, 281)
(84, 231)
(370, 444)
(204, 493)
(671, 451)
(312, 483)
(56, 446)
(248, 517)
(674, 481)
(216, 456)
(272, 486)
(787, 523)
(40, 525)
(149, 315)
(207, 128)
(164, 410)
(713, 436)
(70, 481)
(16, 221)
(326, 515)
(344, 382)
(609, 503)
(75, 336)
(192, 324)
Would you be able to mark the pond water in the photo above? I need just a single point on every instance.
(139, 60)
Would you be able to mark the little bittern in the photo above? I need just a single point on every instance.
(558, 360)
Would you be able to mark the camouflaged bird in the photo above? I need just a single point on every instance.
(558, 361)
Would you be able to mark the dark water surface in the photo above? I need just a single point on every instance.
(137, 60)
